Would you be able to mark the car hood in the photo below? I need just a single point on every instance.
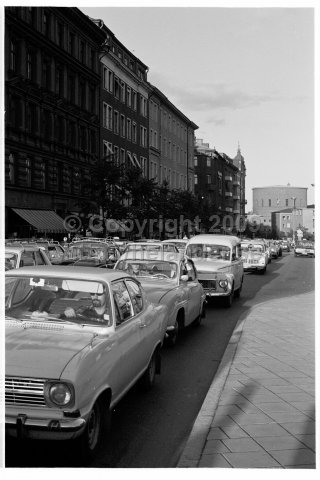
(211, 265)
(156, 288)
(42, 353)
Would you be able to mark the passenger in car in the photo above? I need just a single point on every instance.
(96, 311)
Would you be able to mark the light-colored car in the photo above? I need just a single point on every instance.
(304, 248)
(151, 249)
(17, 256)
(77, 339)
(274, 249)
(180, 243)
(170, 279)
(254, 255)
(218, 261)
(54, 251)
(92, 253)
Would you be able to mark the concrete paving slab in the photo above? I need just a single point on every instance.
(302, 428)
(214, 461)
(289, 417)
(268, 430)
(216, 433)
(279, 443)
(234, 432)
(251, 418)
(251, 460)
(308, 440)
(294, 457)
(215, 446)
(242, 445)
(280, 406)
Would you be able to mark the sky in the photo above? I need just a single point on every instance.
(244, 75)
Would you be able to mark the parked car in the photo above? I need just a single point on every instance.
(255, 256)
(180, 243)
(285, 245)
(54, 251)
(76, 341)
(92, 253)
(304, 248)
(21, 255)
(151, 249)
(170, 279)
(218, 261)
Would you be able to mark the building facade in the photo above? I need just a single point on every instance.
(220, 182)
(171, 143)
(286, 222)
(123, 103)
(275, 198)
(52, 83)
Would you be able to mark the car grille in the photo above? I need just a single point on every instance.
(24, 391)
(208, 284)
(252, 261)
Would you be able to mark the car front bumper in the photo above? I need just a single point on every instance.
(24, 426)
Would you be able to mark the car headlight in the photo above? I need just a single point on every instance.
(223, 283)
(59, 394)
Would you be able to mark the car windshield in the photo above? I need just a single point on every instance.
(251, 247)
(208, 251)
(89, 250)
(305, 244)
(57, 299)
(140, 247)
(148, 268)
(11, 261)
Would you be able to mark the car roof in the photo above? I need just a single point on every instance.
(214, 239)
(174, 240)
(164, 256)
(89, 273)
(23, 248)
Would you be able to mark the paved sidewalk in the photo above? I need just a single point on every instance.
(260, 409)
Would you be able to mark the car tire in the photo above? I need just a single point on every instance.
(237, 292)
(97, 427)
(148, 378)
(263, 271)
(173, 337)
(229, 300)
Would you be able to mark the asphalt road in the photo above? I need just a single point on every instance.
(150, 429)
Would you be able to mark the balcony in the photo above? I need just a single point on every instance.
(228, 178)
(228, 194)
(236, 197)
(236, 182)
(229, 209)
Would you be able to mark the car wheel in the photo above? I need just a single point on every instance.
(237, 292)
(172, 338)
(263, 271)
(228, 300)
(98, 424)
(148, 378)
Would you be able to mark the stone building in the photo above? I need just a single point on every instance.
(52, 83)
(275, 198)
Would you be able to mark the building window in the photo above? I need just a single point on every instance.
(46, 74)
(143, 136)
(46, 24)
(129, 97)
(262, 202)
(269, 202)
(287, 202)
(31, 65)
(46, 124)
(107, 151)
(122, 126)
(60, 34)
(122, 92)
(155, 139)
(13, 56)
(134, 132)
(116, 155)
(72, 44)
(59, 81)
(143, 106)
(82, 52)
(128, 129)
(134, 100)
(122, 156)
(93, 143)
(116, 88)
(93, 59)
(72, 134)
(196, 179)
(83, 139)
(59, 129)
(116, 122)
(71, 88)
(107, 116)
(82, 94)
(208, 179)
(195, 161)
(208, 162)
(92, 99)
(32, 119)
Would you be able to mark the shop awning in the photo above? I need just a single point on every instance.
(42, 220)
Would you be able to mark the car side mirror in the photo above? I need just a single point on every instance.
(184, 278)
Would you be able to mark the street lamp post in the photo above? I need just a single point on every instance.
(293, 216)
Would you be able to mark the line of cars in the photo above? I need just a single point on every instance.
(77, 339)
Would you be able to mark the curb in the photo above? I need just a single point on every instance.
(192, 451)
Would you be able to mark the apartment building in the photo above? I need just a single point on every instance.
(171, 143)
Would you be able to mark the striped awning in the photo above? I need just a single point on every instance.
(42, 220)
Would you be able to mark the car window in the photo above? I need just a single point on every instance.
(191, 271)
(21, 292)
(122, 301)
(39, 258)
(136, 295)
(27, 259)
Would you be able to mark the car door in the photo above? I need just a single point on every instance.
(237, 265)
(128, 332)
(194, 292)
